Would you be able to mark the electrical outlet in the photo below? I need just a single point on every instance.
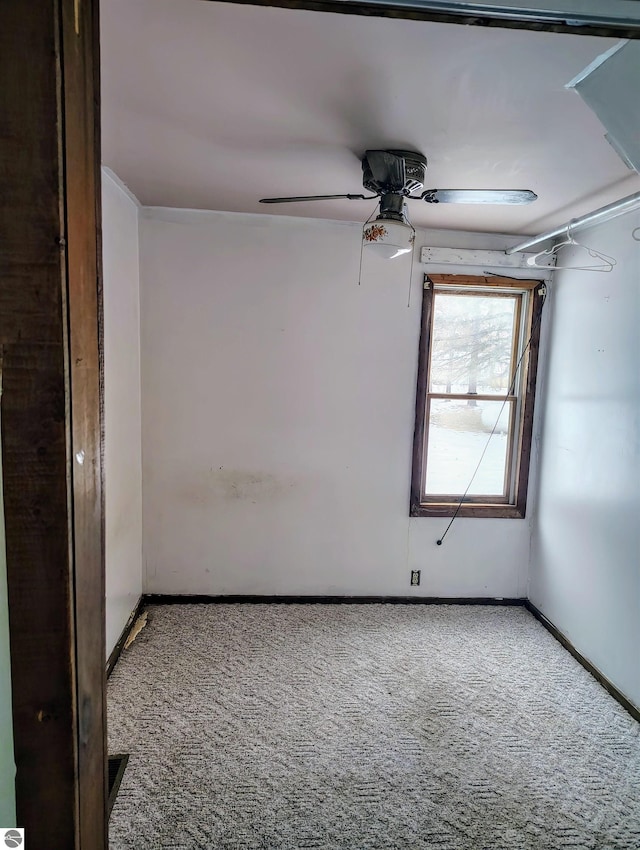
(415, 577)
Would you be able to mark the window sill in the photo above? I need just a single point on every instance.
(480, 511)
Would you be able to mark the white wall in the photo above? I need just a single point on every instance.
(585, 568)
(123, 465)
(278, 415)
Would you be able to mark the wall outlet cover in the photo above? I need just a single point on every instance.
(415, 578)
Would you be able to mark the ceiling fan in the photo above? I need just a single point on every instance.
(396, 176)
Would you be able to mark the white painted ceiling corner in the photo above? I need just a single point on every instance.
(610, 86)
(111, 175)
(599, 60)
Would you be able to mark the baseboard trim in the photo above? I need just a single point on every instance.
(633, 710)
(255, 599)
(117, 649)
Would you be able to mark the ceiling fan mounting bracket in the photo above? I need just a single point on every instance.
(393, 207)
(430, 196)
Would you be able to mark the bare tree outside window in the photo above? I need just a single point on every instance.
(472, 345)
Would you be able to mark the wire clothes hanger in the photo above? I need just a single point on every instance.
(606, 263)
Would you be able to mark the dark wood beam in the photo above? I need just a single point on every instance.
(49, 319)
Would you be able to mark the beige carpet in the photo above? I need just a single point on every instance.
(366, 727)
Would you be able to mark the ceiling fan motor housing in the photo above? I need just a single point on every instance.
(382, 172)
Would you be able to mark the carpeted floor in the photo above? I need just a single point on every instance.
(368, 727)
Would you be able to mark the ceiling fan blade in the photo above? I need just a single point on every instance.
(317, 198)
(388, 169)
(479, 196)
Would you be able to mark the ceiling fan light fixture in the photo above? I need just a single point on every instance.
(388, 238)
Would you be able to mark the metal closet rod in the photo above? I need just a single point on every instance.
(624, 205)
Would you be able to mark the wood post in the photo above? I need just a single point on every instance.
(50, 306)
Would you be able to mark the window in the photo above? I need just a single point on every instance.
(474, 403)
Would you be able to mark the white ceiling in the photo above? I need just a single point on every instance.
(213, 105)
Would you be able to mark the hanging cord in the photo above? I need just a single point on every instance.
(375, 209)
(493, 430)
(413, 251)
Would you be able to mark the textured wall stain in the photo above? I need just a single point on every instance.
(239, 484)
(235, 485)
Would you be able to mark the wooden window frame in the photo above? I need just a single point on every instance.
(474, 506)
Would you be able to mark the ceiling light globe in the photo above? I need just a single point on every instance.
(388, 238)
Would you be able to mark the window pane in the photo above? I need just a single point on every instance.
(471, 346)
(458, 434)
